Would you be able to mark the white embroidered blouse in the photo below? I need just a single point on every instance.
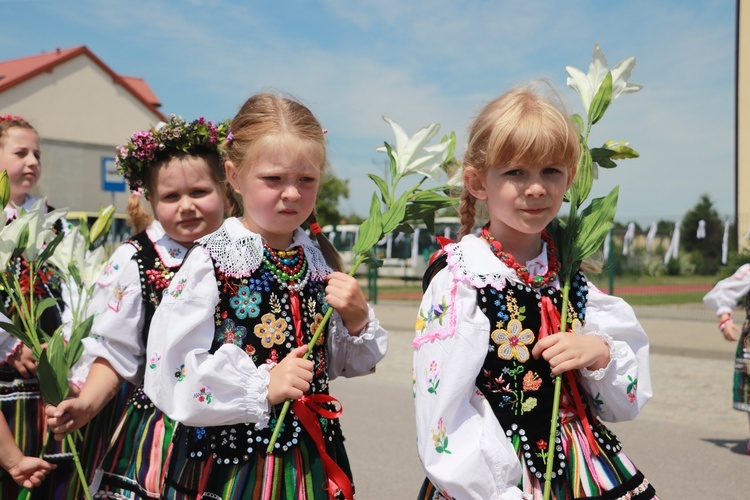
(724, 296)
(183, 329)
(118, 305)
(450, 349)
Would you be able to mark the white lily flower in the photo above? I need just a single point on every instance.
(72, 248)
(40, 228)
(411, 154)
(92, 267)
(587, 85)
(9, 237)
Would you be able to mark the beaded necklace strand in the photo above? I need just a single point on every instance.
(539, 281)
(288, 267)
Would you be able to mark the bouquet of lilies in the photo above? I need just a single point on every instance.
(392, 208)
(48, 251)
(585, 229)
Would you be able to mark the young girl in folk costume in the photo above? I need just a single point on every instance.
(20, 399)
(485, 350)
(230, 335)
(180, 168)
(723, 299)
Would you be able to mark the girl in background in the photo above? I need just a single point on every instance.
(723, 299)
(229, 338)
(485, 354)
(180, 168)
(21, 402)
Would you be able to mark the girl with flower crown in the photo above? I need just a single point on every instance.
(228, 342)
(21, 401)
(179, 167)
(485, 356)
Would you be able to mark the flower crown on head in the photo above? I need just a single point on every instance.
(12, 118)
(135, 158)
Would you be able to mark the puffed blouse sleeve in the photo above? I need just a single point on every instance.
(461, 444)
(186, 381)
(724, 296)
(620, 390)
(116, 334)
(350, 355)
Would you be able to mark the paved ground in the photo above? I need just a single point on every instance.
(687, 440)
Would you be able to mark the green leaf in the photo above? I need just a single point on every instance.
(595, 223)
(578, 122)
(395, 215)
(603, 157)
(371, 230)
(52, 371)
(75, 346)
(50, 248)
(83, 228)
(4, 188)
(43, 305)
(584, 179)
(17, 332)
(384, 194)
(23, 240)
(621, 150)
(393, 166)
(601, 100)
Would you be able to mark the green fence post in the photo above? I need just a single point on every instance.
(611, 263)
(372, 283)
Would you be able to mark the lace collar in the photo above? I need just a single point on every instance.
(170, 252)
(239, 252)
(472, 260)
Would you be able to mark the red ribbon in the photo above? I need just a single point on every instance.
(551, 324)
(305, 408)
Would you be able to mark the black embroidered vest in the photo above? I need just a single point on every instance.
(255, 313)
(519, 388)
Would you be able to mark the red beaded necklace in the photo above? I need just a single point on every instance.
(553, 268)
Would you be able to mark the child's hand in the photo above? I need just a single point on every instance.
(67, 417)
(29, 472)
(291, 378)
(731, 331)
(23, 361)
(570, 351)
(344, 294)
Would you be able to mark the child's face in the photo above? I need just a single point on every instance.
(186, 200)
(21, 158)
(278, 190)
(521, 199)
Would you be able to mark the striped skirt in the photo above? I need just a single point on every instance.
(133, 465)
(294, 474)
(23, 408)
(741, 389)
(609, 475)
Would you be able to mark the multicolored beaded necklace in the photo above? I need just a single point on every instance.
(553, 268)
(289, 267)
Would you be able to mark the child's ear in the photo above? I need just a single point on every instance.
(232, 175)
(474, 183)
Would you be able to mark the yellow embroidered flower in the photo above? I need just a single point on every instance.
(513, 341)
(271, 330)
(317, 320)
(576, 326)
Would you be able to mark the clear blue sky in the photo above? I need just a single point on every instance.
(421, 61)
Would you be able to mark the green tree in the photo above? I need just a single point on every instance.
(327, 205)
(705, 253)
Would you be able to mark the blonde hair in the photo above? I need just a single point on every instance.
(520, 126)
(138, 217)
(8, 122)
(269, 120)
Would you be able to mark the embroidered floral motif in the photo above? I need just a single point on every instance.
(118, 293)
(154, 361)
(177, 289)
(230, 333)
(245, 303)
(513, 341)
(271, 330)
(317, 320)
(250, 350)
(413, 384)
(175, 252)
(514, 389)
(531, 381)
(436, 312)
(109, 270)
(433, 377)
(96, 337)
(180, 373)
(275, 304)
(632, 388)
(440, 438)
(204, 395)
(543, 452)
